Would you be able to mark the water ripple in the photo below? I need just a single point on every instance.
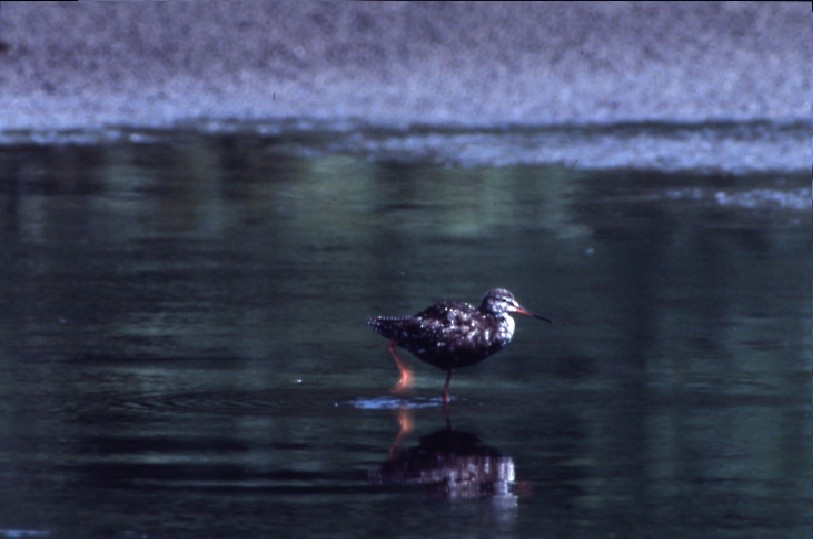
(730, 146)
(391, 403)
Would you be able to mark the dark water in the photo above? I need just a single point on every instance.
(183, 349)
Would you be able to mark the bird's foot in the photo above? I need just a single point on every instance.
(404, 382)
(405, 374)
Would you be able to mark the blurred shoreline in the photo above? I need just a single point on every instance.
(88, 65)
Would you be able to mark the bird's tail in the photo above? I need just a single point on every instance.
(388, 326)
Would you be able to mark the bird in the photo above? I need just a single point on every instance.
(451, 334)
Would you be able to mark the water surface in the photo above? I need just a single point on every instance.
(183, 348)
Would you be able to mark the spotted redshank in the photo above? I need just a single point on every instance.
(450, 335)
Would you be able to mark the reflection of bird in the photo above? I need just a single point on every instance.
(450, 463)
(450, 335)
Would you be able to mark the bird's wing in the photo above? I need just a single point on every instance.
(441, 325)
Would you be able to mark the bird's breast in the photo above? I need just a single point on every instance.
(505, 329)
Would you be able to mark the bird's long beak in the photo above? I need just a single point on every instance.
(522, 310)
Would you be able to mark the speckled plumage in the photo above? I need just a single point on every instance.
(450, 335)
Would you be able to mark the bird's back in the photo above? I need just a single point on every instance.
(447, 335)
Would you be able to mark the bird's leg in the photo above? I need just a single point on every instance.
(405, 375)
(445, 393)
(446, 416)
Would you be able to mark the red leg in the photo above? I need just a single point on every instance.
(405, 426)
(445, 393)
(405, 375)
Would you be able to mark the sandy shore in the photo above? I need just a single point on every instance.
(88, 64)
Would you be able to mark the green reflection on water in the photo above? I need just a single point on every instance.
(202, 302)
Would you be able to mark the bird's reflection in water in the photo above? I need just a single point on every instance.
(449, 463)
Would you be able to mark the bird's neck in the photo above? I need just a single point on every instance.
(505, 327)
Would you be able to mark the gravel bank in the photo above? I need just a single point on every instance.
(88, 64)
